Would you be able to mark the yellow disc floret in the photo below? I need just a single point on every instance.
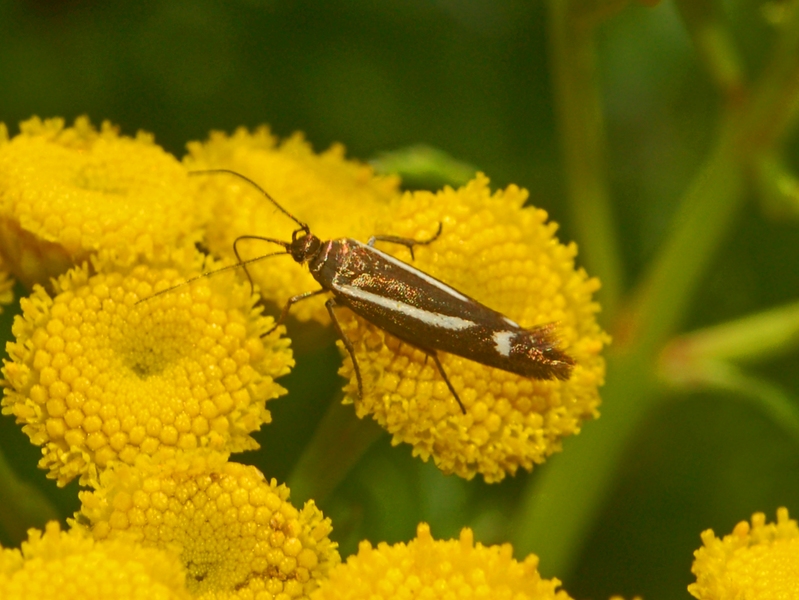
(70, 565)
(757, 562)
(334, 196)
(507, 258)
(105, 370)
(432, 569)
(237, 533)
(66, 193)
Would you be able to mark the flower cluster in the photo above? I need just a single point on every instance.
(139, 373)
(105, 370)
(757, 562)
(237, 534)
(67, 193)
(432, 569)
(70, 565)
(491, 248)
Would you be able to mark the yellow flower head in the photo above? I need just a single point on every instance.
(70, 565)
(506, 257)
(757, 562)
(96, 376)
(335, 196)
(237, 533)
(66, 193)
(431, 569)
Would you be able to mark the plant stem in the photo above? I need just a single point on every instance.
(766, 397)
(706, 23)
(580, 112)
(751, 338)
(337, 445)
(22, 505)
(562, 504)
(703, 220)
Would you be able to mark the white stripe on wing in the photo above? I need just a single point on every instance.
(424, 316)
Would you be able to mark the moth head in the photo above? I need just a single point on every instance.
(304, 245)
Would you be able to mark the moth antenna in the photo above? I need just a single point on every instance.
(215, 272)
(243, 263)
(257, 187)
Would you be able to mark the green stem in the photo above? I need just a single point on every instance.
(22, 505)
(713, 200)
(703, 220)
(774, 106)
(564, 499)
(563, 503)
(705, 22)
(337, 445)
(766, 397)
(583, 144)
(751, 338)
(778, 187)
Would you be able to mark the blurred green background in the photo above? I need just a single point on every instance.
(474, 79)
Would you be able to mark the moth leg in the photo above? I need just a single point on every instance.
(407, 242)
(434, 355)
(331, 305)
(291, 301)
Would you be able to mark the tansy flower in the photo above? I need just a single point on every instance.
(96, 375)
(70, 565)
(431, 569)
(335, 196)
(506, 257)
(237, 533)
(757, 562)
(66, 193)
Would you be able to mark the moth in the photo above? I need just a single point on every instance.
(410, 304)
